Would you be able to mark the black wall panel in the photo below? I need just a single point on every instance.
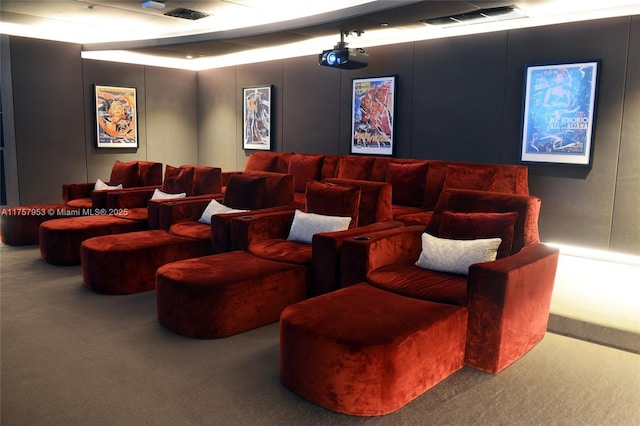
(48, 117)
(310, 106)
(459, 98)
(218, 121)
(577, 202)
(172, 115)
(625, 231)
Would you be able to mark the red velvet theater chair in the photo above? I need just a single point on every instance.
(475, 287)
(131, 174)
(20, 225)
(508, 298)
(126, 211)
(332, 213)
(186, 231)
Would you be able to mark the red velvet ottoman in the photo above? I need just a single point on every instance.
(19, 225)
(225, 294)
(364, 351)
(60, 239)
(127, 263)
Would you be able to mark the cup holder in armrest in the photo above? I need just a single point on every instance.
(246, 217)
(361, 238)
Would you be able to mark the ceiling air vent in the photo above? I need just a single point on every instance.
(192, 15)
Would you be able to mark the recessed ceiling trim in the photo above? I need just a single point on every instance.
(293, 24)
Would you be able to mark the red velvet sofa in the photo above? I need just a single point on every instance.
(416, 184)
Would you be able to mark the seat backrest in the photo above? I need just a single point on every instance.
(375, 200)
(278, 189)
(333, 200)
(208, 180)
(470, 201)
(149, 173)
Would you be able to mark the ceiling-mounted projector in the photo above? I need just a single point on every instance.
(153, 4)
(344, 58)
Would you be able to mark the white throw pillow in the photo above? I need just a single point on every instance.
(215, 207)
(439, 254)
(159, 195)
(101, 186)
(306, 224)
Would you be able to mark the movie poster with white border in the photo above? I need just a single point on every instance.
(373, 115)
(559, 113)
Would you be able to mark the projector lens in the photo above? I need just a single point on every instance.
(332, 59)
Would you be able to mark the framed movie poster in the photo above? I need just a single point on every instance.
(116, 117)
(559, 113)
(373, 115)
(256, 133)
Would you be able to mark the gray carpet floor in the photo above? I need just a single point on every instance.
(73, 357)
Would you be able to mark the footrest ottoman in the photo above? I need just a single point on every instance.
(19, 225)
(225, 294)
(127, 263)
(365, 351)
(60, 239)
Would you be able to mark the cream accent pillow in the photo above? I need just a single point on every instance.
(306, 224)
(101, 186)
(159, 195)
(439, 254)
(215, 207)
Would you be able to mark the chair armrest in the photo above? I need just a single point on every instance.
(129, 198)
(164, 213)
(73, 191)
(221, 226)
(509, 301)
(251, 228)
(395, 245)
(326, 259)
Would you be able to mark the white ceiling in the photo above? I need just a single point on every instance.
(238, 30)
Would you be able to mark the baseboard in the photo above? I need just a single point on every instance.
(596, 333)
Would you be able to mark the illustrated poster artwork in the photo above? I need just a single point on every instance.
(373, 116)
(257, 118)
(116, 116)
(559, 112)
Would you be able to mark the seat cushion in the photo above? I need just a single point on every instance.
(367, 352)
(411, 281)
(191, 229)
(283, 251)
